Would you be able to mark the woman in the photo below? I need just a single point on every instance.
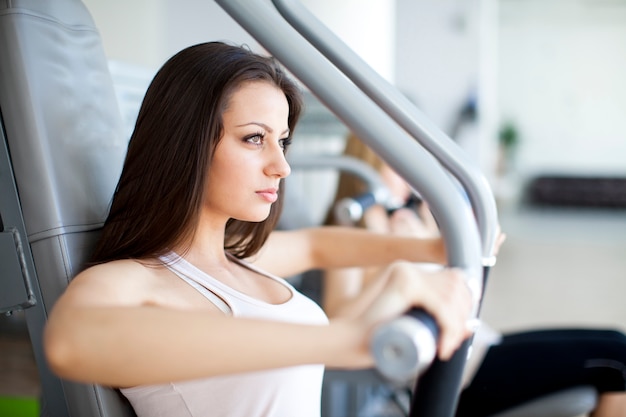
(504, 370)
(181, 307)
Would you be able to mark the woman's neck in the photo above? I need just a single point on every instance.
(207, 245)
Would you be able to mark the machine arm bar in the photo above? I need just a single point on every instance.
(404, 112)
(367, 120)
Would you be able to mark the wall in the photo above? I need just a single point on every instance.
(562, 66)
(445, 61)
(437, 58)
(147, 32)
(554, 67)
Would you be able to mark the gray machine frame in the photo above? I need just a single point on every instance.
(63, 145)
(61, 154)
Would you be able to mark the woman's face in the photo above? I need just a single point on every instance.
(249, 161)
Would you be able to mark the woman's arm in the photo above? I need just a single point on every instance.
(110, 328)
(128, 346)
(347, 291)
(100, 331)
(287, 253)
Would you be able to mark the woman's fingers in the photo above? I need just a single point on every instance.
(405, 222)
(442, 293)
(500, 238)
(376, 219)
(445, 295)
(451, 308)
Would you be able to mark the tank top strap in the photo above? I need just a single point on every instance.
(170, 262)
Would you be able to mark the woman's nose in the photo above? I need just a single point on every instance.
(277, 164)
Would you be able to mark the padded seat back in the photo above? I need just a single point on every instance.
(62, 153)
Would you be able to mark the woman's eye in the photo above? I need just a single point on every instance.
(284, 143)
(255, 139)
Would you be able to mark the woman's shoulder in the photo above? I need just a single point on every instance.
(132, 268)
(124, 280)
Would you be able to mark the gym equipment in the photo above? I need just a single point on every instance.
(61, 153)
(321, 69)
(63, 146)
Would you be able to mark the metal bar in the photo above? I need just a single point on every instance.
(367, 120)
(349, 210)
(404, 112)
(17, 284)
(370, 123)
(342, 163)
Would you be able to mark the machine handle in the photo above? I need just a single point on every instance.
(405, 347)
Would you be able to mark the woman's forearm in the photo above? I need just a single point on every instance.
(333, 247)
(360, 247)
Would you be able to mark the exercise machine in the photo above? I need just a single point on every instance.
(62, 149)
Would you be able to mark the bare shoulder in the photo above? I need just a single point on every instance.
(126, 282)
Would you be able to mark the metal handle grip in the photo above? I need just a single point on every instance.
(406, 346)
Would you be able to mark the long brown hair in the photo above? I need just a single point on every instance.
(159, 194)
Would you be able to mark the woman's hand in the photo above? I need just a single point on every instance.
(402, 222)
(500, 238)
(407, 222)
(442, 293)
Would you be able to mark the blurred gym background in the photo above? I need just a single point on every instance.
(534, 91)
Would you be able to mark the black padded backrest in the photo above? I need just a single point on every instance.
(65, 145)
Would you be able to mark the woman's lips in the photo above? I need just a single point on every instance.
(268, 195)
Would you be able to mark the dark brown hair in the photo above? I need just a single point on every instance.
(158, 198)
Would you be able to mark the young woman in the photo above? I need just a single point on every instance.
(181, 306)
(504, 370)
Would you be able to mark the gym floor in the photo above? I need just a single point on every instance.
(558, 267)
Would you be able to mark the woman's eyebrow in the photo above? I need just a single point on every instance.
(264, 126)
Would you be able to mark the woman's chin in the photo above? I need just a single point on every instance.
(255, 217)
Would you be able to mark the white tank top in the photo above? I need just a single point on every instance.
(284, 392)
